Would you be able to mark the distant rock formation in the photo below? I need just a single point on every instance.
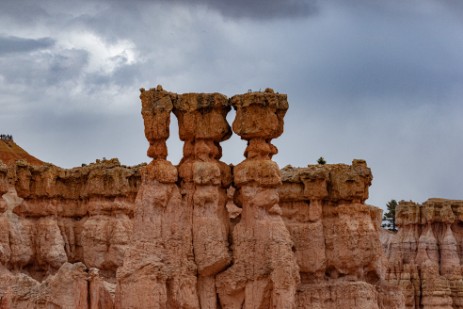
(202, 234)
(10, 152)
(336, 237)
(425, 255)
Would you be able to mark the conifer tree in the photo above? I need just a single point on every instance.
(390, 214)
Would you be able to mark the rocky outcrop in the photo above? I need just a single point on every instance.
(10, 152)
(264, 273)
(65, 289)
(425, 254)
(160, 259)
(336, 237)
(61, 226)
(309, 241)
(203, 183)
(202, 234)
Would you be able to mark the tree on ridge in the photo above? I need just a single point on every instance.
(389, 216)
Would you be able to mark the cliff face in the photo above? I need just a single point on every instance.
(335, 235)
(202, 234)
(425, 254)
(59, 229)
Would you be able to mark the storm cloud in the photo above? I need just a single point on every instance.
(261, 9)
(378, 80)
(12, 44)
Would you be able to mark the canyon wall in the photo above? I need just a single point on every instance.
(425, 255)
(335, 234)
(62, 231)
(202, 234)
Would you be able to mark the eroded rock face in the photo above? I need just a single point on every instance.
(160, 259)
(65, 289)
(202, 234)
(264, 273)
(336, 237)
(51, 218)
(203, 183)
(425, 254)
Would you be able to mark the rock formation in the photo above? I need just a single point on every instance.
(160, 259)
(51, 218)
(202, 234)
(425, 254)
(10, 152)
(336, 237)
(203, 183)
(264, 273)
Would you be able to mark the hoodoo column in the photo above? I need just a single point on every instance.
(265, 273)
(159, 269)
(204, 180)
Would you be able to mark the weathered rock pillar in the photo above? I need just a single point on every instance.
(204, 181)
(159, 269)
(264, 273)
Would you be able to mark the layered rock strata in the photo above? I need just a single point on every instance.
(50, 219)
(160, 259)
(264, 273)
(425, 255)
(202, 234)
(203, 184)
(335, 237)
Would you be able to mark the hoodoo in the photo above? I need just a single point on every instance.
(425, 255)
(200, 234)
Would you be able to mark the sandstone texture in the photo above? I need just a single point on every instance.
(64, 233)
(200, 234)
(425, 255)
(335, 237)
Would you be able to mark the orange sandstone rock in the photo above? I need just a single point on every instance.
(264, 273)
(160, 258)
(204, 234)
(53, 217)
(336, 237)
(10, 153)
(425, 256)
(203, 183)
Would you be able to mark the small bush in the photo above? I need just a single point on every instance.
(321, 161)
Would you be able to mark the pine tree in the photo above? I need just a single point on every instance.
(390, 214)
(321, 161)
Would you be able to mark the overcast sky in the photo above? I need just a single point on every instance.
(377, 80)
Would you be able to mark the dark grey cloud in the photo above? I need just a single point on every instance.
(27, 11)
(409, 59)
(42, 69)
(256, 9)
(260, 9)
(32, 11)
(66, 65)
(378, 80)
(13, 44)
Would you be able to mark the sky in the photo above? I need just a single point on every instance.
(366, 79)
